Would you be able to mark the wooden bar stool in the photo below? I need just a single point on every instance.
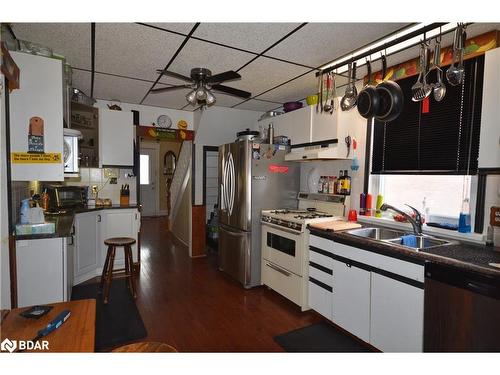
(127, 272)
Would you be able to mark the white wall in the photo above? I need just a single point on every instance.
(149, 114)
(4, 224)
(217, 126)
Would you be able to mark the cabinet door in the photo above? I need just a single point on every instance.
(69, 262)
(351, 299)
(36, 116)
(116, 138)
(489, 144)
(118, 223)
(397, 315)
(40, 270)
(324, 126)
(296, 125)
(86, 251)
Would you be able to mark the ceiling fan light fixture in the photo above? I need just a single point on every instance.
(201, 93)
(210, 98)
(191, 97)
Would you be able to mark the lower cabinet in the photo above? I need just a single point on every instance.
(42, 271)
(351, 299)
(91, 229)
(397, 315)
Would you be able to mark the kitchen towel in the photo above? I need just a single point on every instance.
(409, 240)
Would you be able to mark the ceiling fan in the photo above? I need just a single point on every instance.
(202, 82)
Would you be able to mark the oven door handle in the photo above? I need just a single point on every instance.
(281, 228)
(276, 268)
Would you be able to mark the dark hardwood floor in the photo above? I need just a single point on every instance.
(189, 304)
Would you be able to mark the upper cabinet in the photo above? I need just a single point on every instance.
(489, 143)
(85, 118)
(116, 138)
(36, 119)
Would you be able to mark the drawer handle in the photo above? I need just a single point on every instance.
(348, 265)
(278, 269)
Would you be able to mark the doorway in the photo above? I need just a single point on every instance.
(148, 178)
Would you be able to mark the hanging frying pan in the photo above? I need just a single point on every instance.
(390, 97)
(368, 99)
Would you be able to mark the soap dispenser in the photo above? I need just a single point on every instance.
(25, 209)
(464, 225)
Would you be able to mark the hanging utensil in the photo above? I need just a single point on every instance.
(455, 73)
(421, 89)
(320, 80)
(321, 93)
(326, 106)
(439, 89)
(390, 96)
(348, 144)
(351, 94)
(334, 93)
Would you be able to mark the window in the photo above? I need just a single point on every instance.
(144, 165)
(443, 193)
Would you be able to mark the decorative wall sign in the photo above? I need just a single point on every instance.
(182, 124)
(35, 135)
(159, 133)
(35, 158)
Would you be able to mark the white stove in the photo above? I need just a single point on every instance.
(285, 242)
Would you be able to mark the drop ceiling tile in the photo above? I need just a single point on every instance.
(223, 100)
(179, 27)
(171, 99)
(118, 88)
(318, 43)
(297, 89)
(81, 79)
(258, 105)
(201, 54)
(263, 74)
(255, 37)
(69, 39)
(133, 50)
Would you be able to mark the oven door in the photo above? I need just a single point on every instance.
(283, 247)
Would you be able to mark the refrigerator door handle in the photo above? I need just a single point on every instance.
(232, 232)
(231, 184)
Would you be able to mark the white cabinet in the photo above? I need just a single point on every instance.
(116, 138)
(489, 144)
(118, 223)
(36, 117)
(85, 238)
(351, 299)
(42, 271)
(323, 125)
(397, 315)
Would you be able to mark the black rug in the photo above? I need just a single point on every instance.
(319, 338)
(118, 322)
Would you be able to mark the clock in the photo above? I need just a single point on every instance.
(164, 121)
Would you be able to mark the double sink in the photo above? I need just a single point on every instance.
(407, 240)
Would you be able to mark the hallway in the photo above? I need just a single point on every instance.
(191, 305)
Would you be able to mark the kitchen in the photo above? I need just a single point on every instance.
(255, 197)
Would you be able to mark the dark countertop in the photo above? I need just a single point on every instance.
(64, 221)
(475, 258)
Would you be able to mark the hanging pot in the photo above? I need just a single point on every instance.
(391, 98)
(368, 99)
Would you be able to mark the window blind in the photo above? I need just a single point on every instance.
(433, 137)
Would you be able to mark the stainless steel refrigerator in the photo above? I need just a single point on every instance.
(252, 177)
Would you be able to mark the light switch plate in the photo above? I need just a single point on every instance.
(110, 173)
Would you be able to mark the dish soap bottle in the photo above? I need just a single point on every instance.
(24, 213)
(464, 218)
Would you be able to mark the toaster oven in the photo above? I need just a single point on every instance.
(66, 197)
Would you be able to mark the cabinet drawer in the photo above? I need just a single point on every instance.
(320, 300)
(282, 281)
(321, 243)
(319, 275)
(320, 259)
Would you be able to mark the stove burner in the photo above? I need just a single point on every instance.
(312, 216)
(287, 211)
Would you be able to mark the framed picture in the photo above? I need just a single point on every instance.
(9, 68)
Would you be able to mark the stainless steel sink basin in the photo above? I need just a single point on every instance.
(423, 242)
(376, 233)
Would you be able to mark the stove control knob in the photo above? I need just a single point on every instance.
(290, 224)
(294, 225)
(278, 221)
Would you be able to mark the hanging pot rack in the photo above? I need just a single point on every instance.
(383, 47)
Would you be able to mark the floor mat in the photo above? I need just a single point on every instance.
(119, 321)
(319, 338)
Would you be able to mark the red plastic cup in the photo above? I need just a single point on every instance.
(352, 216)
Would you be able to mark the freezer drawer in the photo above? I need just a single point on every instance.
(234, 253)
(282, 281)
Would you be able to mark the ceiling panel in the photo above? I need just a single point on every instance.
(179, 27)
(69, 39)
(318, 43)
(263, 74)
(171, 99)
(223, 100)
(201, 54)
(81, 80)
(255, 37)
(295, 90)
(133, 50)
(118, 88)
(258, 105)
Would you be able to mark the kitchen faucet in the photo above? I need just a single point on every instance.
(415, 222)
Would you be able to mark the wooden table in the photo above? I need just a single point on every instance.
(145, 347)
(75, 335)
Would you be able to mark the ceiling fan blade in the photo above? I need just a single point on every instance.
(230, 75)
(175, 75)
(169, 88)
(232, 91)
